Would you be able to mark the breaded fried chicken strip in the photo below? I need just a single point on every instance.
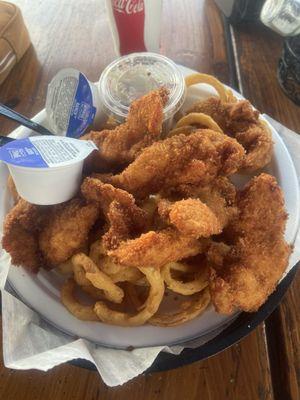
(220, 197)
(66, 230)
(155, 249)
(142, 127)
(257, 141)
(191, 217)
(160, 165)
(124, 218)
(231, 117)
(259, 255)
(20, 234)
(241, 121)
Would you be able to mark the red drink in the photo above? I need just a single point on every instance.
(130, 19)
(135, 25)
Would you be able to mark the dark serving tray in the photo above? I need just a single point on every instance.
(240, 328)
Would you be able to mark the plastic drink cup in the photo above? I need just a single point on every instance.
(135, 25)
(283, 16)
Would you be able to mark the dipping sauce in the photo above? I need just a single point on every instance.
(72, 103)
(46, 169)
(134, 75)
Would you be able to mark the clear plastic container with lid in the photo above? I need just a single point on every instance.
(134, 75)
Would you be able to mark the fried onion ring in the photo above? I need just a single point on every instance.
(98, 278)
(199, 118)
(80, 311)
(85, 284)
(66, 267)
(194, 79)
(150, 307)
(96, 294)
(188, 310)
(117, 272)
(199, 282)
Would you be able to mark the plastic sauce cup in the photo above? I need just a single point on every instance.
(134, 75)
(46, 169)
(72, 103)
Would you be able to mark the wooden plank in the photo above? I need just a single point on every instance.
(71, 33)
(258, 50)
(240, 372)
(193, 35)
(63, 34)
(283, 337)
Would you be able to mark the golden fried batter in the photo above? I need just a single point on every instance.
(143, 126)
(155, 249)
(66, 230)
(259, 255)
(220, 196)
(20, 234)
(124, 217)
(191, 217)
(241, 121)
(159, 165)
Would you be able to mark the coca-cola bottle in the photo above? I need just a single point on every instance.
(135, 25)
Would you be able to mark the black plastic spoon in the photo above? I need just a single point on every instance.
(5, 139)
(21, 119)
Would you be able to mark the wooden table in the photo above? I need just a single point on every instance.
(265, 364)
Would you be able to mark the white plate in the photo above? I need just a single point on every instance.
(41, 291)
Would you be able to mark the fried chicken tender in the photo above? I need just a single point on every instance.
(257, 141)
(156, 248)
(93, 189)
(120, 225)
(220, 197)
(124, 218)
(231, 117)
(66, 230)
(239, 120)
(20, 234)
(216, 253)
(143, 126)
(160, 165)
(259, 253)
(191, 217)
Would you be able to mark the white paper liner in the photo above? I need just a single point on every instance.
(30, 342)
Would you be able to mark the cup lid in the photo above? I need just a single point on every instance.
(71, 105)
(134, 75)
(46, 152)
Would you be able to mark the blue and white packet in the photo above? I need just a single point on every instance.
(72, 103)
(46, 169)
(45, 151)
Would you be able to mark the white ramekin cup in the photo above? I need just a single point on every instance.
(46, 169)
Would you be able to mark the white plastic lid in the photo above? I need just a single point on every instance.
(72, 103)
(46, 169)
(134, 75)
(46, 151)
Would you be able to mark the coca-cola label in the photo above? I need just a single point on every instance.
(130, 22)
(128, 6)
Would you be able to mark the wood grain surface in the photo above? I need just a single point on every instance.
(262, 48)
(241, 372)
(76, 33)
